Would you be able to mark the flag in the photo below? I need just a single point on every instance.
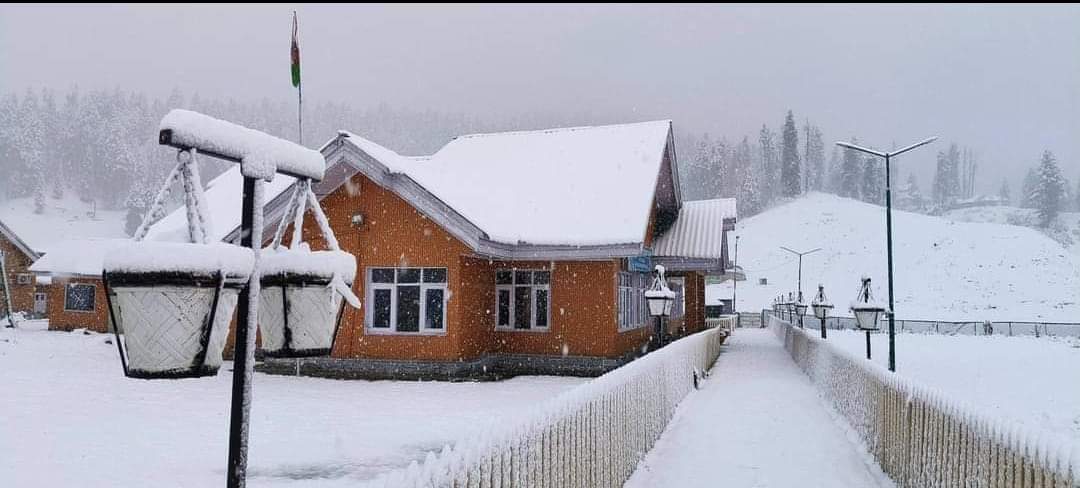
(295, 54)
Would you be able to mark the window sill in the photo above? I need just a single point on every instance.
(79, 311)
(388, 332)
(631, 329)
(534, 330)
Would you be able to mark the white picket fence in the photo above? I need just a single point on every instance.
(592, 436)
(920, 436)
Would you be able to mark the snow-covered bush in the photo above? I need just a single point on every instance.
(922, 437)
(591, 436)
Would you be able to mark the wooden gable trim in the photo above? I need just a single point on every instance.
(19, 243)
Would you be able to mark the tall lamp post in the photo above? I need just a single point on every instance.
(800, 297)
(888, 230)
(735, 283)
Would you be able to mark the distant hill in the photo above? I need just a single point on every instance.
(945, 270)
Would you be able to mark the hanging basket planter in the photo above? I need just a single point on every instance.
(173, 302)
(300, 300)
(303, 292)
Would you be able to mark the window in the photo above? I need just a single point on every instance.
(406, 300)
(79, 297)
(631, 300)
(522, 299)
(678, 285)
(24, 279)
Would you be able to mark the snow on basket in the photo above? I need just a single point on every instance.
(173, 302)
(300, 300)
(301, 291)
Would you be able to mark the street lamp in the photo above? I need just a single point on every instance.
(800, 309)
(888, 231)
(821, 307)
(660, 300)
(866, 312)
(800, 254)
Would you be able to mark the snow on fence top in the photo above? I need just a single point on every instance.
(260, 155)
(576, 186)
(206, 259)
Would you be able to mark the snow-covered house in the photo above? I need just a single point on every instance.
(518, 251)
(17, 256)
(29, 234)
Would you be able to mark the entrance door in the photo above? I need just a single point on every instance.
(40, 303)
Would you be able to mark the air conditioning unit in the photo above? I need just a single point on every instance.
(763, 281)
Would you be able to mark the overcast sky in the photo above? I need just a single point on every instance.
(1002, 79)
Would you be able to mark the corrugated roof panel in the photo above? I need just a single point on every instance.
(698, 232)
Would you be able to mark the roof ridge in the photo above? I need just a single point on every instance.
(558, 129)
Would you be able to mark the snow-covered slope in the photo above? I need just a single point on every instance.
(1065, 229)
(64, 218)
(945, 270)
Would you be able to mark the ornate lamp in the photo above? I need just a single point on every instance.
(867, 311)
(821, 307)
(660, 300)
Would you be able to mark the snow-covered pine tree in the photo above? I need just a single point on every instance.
(814, 160)
(770, 172)
(749, 191)
(834, 172)
(1003, 192)
(851, 170)
(790, 172)
(873, 180)
(1027, 190)
(1049, 190)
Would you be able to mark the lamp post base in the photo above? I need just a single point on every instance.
(867, 344)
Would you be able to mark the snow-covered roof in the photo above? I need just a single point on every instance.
(62, 219)
(83, 257)
(698, 231)
(223, 198)
(568, 186)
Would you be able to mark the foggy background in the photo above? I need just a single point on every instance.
(1002, 80)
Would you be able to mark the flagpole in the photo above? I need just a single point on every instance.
(300, 110)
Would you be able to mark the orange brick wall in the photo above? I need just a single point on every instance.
(61, 319)
(22, 296)
(396, 234)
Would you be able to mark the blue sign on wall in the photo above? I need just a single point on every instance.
(642, 263)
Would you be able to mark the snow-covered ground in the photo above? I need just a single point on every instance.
(70, 418)
(1028, 380)
(757, 422)
(945, 270)
(1065, 229)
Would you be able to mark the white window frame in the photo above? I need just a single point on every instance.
(369, 316)
(630, 301)
(93, 304)
(680, 296)
(509, 327)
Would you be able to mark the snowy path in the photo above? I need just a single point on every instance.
(757, 422)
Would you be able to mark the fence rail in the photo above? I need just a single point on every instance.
(921, 437)
(1007, 328)
(591, 436)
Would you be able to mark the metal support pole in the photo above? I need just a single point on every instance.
(243, 355)
(735, 284)
(659, 332)
(823, 334)
(867, 343)
(888, 238)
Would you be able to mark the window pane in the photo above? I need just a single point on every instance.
(522, 277)
(542, 277)
(504, 277)
(79, 298)
(408, 308)
(541, 307)
(433, 308)
(434, 275)
(382, 275)
(408, 275)
(504, 308)
(522, 295)
(381, 309)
